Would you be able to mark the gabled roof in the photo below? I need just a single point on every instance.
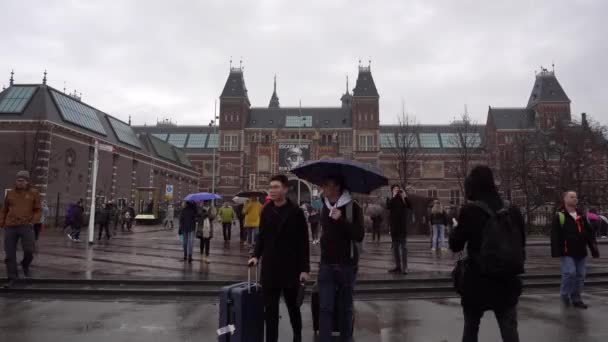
(235, 85)
(547, 89)
(512, 118)
(164, 150)
(322, 117)
(365, 83)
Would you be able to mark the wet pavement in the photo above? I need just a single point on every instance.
(541, 317)
(153, 253)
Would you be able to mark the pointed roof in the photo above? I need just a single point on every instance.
(235, 84)
(512, 118)
(365, 83)
(547, 89)
(274, 99)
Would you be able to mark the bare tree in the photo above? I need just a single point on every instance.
(409, 153)
(467, 139)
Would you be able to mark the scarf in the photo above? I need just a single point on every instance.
(344, 199)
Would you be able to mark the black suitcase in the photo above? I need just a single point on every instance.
(242, 312)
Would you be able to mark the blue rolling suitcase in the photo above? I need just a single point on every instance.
(242, 312)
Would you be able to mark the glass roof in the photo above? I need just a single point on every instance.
(429, 140)
(472, 139)
(408, 140)
(387, 140)
(197, 140)
(124, 132)
(15, 99)
(178, 140)
(450, 140)
(161, 136)
(77, 113)
(213, 141)
(298, 121)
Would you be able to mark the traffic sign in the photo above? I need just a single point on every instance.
(169, 189)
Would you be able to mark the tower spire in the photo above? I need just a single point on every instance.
(275, 83)
(346, 84)
(274, 99)
(44, 78)
(12, 80)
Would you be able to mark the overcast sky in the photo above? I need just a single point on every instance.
(154, 59)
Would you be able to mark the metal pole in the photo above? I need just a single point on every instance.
(299, 143)
(93, 194)
(214, 149)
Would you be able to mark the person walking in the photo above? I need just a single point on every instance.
(105, 216)
(343, 227)
(77, 221)
(571, 234)
(129, 217)
(20, 211)
(398, 205)
(40, 224)
(438, 221)
(204, 232)
(227, 218)
(480, 291)
(170, 217)
(241, 217)
(187, 228)
(252, 210)
(283, 249)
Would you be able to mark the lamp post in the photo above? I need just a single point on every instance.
(213, 124)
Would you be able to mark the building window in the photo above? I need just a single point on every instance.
(508, 139)
(267, 139)
(263, 164)
(455, 197)
(431, 193)
(323, 139)
(366, 143)
(344, 139)
(231, 142)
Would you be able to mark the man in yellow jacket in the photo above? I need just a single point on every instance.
(252, 211)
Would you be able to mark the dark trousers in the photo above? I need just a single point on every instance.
(75, 232)
(227, 230)
(205, 242)
(314, 230)
(242, 231)
(376, 232)
(336, 280)
(507, 322)
(37, 229)
(104, 227)
(12, 235)
(400, 253)
(271, 306)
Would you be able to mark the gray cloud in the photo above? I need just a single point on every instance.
(153, 59)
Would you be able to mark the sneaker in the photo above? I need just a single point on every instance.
(207, 261)
(10, 284)
(394, 270)
(70, 237)
(565, 300)
(77, 240)
(433, 249)
(444, 250)
(580, 305)
(26, 272)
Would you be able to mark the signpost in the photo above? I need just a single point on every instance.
(169, 191)
(107, 148)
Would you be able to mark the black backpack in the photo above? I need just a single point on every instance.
(502, 253)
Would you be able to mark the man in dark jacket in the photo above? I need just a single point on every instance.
(571, 234)
(105, 219)
(482, 293)
(283, 247)
(398, 205)
(20, 211)
(77, 220)
(343, 227)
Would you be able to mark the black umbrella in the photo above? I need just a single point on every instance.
(358, 177)
(249, 194)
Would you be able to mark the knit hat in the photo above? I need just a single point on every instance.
(23, 174)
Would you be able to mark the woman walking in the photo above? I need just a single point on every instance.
(187, 228)
(204, 232)
(439, 220)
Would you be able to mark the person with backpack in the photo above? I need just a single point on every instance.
(398, 205)
(571, 234)
(438, 221)
(488, 279)
(343, 228)
(283, 248)
(204, 232)
(227, 217)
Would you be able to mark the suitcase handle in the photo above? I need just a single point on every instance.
(257, 280)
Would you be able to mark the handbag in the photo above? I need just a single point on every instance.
(459, 273)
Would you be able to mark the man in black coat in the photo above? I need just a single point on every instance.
(571, 234)
(398, 205)
(283, 247)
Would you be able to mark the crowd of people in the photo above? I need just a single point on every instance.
(492, 232)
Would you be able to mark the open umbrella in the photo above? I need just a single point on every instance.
(202, 196)
(603, 218)
(358, 177)
(239, 200)
(374, 210)
(249, 194)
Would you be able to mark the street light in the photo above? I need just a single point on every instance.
(213, 124)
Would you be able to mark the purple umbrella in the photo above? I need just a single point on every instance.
(358, 177)
(202, 196)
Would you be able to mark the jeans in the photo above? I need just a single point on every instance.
(314, 230)
(12, 234)
(37, 229)
(168, 222)
(438, 236)
(227, 230)
(400, 253)
(506, 318)
(187, 243)
(75, 233)
(243, 231)
(573, 277)
(252, 233)
(102, 227)
(205, 242)
(336, 280)
(271, 309)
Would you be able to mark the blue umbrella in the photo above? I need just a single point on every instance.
(358, 177)
(202, 196)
